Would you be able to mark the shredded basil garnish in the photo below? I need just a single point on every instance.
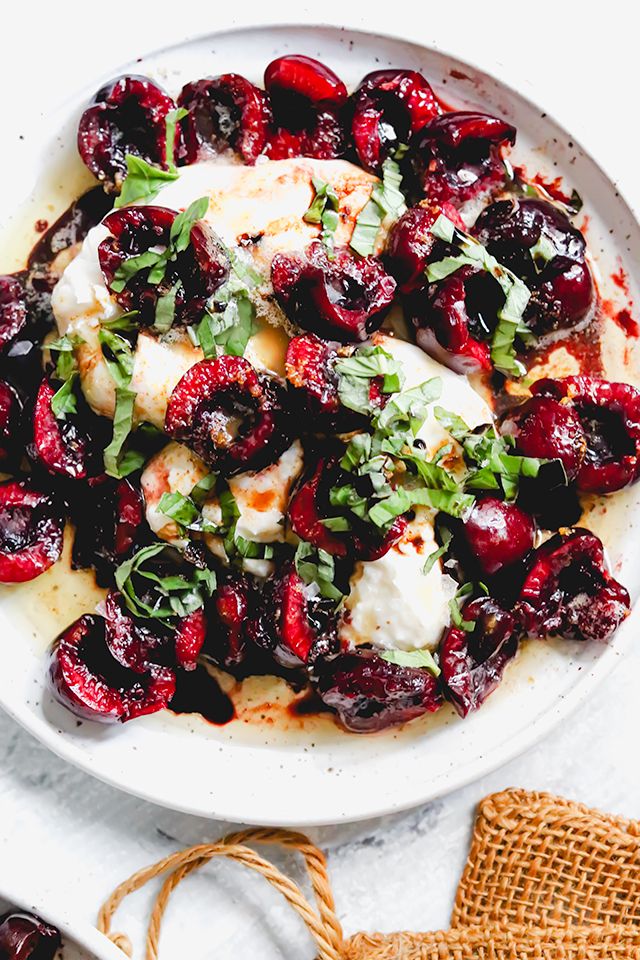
(355, 374)
(324, 210)
(387, 200)
(150, 595)
(63, 402)
(433, 558)
(316, 566)
(118, 357)
(420, 659)
(229, 331)
(143, 181)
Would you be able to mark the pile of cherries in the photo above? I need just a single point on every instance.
(116, 666)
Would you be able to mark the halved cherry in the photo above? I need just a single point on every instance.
(411, 244)
(234, 418)
(190, 635)
(129, 516)
(309, 368)
(225, 112)
(229, 613)
(194, 275)
(109, 519)
(306, 97)
(609, 414)
(60, 446)
(31, 532)
(13, 309)
(23, 936)
(344, 298)
(371, 694)
(497, 535)
(87, 679)
(458, 156)
(538, 242)
(549, 429)
(310, 505)
(389, 107)
(473, 662)
(453, 319)
(127, 115)
(11, 408)
(293, 623)
(130, 641)
(569, 592)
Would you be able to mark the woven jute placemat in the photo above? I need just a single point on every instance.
(546, 879)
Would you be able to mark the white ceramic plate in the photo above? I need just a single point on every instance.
(80, 941)
(272, 770)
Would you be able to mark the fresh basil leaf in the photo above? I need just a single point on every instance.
(173, 595)
(179, 508)
(324, 209)
(143, 181)
(408, 409)
(166, 309)
(133, 265)
(63, 402)
(316, 566)
(433, 558)
(386, 200)
(451, 422)
(118, 356)
(443, 229)
(122, 424)
(203, 488)
(336, 524)
(122, 324)
(181, 228)
(419, 659)
(455, 608)
(544, 250)
(171, 120)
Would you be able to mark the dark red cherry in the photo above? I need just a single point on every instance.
(225, 112)
(387, 108)
(132, 642)
(548, 429)
(453, 318)
(310, 370)
(293, 623)
(195, 274)
(371, 694)
(458, 156)
(310, 505)
(609, 414)
(13, 309)
(568, 591)
(190, 635)
(343, 298)
(234, 418)
(127, 115)
(229, 613)
(411, 243)
(560, 283)
(60, 446)
(24, 936)
(473, 662)
(497, 534)
(306, 97)
(129, 516)
(109, 520)
(87, 679)
(31, 532)
(11, 408)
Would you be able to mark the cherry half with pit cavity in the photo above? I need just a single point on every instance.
(229, 612)
(127, 115)
(548, 429)
(370, 694)
(343, 298)
(194, 275)
(13, 309)
(234, 418)
(31, 532)
(226, 112)
(23, 936)
(60, 446)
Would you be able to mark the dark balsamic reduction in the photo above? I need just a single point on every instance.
(198, 692)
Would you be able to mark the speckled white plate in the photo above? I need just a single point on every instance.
(268, 766)
(80, 941)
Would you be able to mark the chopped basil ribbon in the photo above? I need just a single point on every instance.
(316, 566)
(455, 608)
(543, 251)
(118, 357)
(144, 181)
(324, 210)
(420, 659)
(122, 324)
(166, 309)
(157, 260)
(355, 374)
(63, 402)
(494, 466)
(510, 315)
(229, 331)
(433, 558)
(149, 595)
(387, 200)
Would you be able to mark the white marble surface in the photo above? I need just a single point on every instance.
(78, 837)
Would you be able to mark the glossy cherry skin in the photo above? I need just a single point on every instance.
(306, 100)
(458, 156)
(87, 679)
(561, 285)
(226, 112)
(13, 310)
(450, 319)
(411, 244)
(234, 418)
(31, 532)
(11, 410)
(345, 298)
(199, 270)
(109, 520)
(497, 534)
(548, 429)
(293, 623)
(23, 936)
(60, 446)
(609, 414)
(310, 505)
(371, 694)
(128, 115)
(228, 616)
(189, 638)
(473, 662)
(568, 591)
(389, 107)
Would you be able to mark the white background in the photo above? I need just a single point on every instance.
(76, 837)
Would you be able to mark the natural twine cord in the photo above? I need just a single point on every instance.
(546, 879)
